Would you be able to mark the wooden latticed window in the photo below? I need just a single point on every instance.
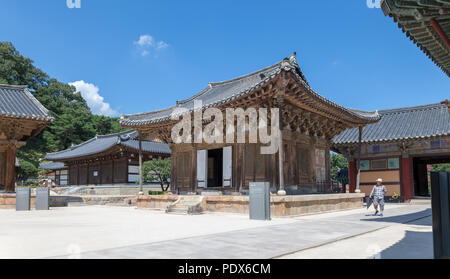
(255, 164)
(183, 168)
(120, 171)
(304, 161)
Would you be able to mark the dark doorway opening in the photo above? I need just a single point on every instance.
(215, 168)
(422, 167)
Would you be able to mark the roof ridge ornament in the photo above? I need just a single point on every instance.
(290, 62)
(293, 58)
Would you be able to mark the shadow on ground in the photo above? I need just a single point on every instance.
(415, 245)
(401, 219)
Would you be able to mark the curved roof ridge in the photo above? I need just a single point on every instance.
(123, 116)
(102, 143)
(213, 84)
(246, 75)
(182, 102)
(13, 86)
(72, 147)
(89, 141)
(116, 134)
(412, 108)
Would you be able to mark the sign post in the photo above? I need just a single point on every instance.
(42, 197)
(259, 206)
(23, 197)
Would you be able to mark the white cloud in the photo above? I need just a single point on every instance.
(145, 40)
(147, 44)
(95, 102)
(161, 45)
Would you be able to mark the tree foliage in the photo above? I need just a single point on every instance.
(157, 170)
(441, 168)
(337, 162)
(74, 122)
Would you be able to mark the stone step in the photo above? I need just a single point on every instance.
(186, 204)
(76, 204)
(185, 208)
(179, 210)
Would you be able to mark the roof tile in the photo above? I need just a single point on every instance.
(405, 123)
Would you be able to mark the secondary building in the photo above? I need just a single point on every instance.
(57, 172)
(21, 118)
(308, 123)
(398, 149)
(108, 159)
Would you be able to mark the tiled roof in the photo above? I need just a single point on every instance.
(18, 102)
(420, 122)
(52, 166)
(103, 143)
(222, 92)
(427, 24)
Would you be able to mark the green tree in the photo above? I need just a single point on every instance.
(441, 167)
(337, 162)
(26, 170)
(157, 170)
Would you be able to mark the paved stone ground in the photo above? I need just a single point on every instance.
(271, 241)
(109, 232)
(400, 241)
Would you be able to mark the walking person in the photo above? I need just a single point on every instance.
(377, 195)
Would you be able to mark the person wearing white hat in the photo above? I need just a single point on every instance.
(377, 195)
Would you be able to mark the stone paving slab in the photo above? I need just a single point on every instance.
(270, 241)
(401, 241)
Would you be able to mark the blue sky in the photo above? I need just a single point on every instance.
(145, 55)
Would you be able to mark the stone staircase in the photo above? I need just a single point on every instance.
(186, 205)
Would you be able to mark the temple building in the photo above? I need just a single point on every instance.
(57, 172)
(105, 160)
(426, 24)
(308, 124)
(21, 118)
(398, 149)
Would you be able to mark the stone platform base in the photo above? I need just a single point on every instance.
(155, 202)
(8, 201)
(280, 206)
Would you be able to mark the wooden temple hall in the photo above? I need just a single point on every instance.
(308, 124)
(104, 160)
(21, 117)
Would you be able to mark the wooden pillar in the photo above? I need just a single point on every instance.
(358, 162)
(10, 172)
(281, 191)
(407, 181)
(141, 187)
(352, 175)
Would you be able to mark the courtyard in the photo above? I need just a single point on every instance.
(125, 232)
